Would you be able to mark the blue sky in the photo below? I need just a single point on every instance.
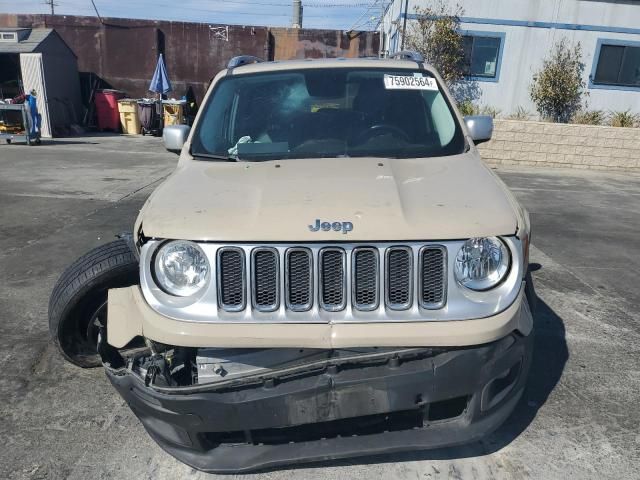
(333, 14)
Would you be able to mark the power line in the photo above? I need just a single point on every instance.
(234, 12)
(307, 4)
(96, 9)
(276, 13)
(368, 19)
(52, 5)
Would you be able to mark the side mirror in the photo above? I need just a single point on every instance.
(175, 136)
(480, 127)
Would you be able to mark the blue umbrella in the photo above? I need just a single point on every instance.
(160, 82)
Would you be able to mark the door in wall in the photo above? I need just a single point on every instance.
(33, 79)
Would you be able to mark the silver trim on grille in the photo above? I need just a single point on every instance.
(254, 281)
(330, 307)
(391, 305)
(364, 307)
(243, 304)
(294, 307)
(443, 280)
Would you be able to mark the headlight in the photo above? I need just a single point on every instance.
(481, 263)
(181, 268)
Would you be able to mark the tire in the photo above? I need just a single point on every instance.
(77, 307)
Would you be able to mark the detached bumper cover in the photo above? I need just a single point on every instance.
(430, 398)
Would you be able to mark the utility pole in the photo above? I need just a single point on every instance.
(382, 47)
(404, 24)
(296, 21)
(52, 5)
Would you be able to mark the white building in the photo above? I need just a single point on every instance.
(506, 41)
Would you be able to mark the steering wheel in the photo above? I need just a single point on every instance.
(381, 129)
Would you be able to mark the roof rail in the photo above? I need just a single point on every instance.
(243, 60)
(408, 55)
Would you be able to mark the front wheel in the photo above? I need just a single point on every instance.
(78, 303)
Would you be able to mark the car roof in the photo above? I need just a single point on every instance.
(280, 65)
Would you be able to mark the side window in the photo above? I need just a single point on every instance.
(618, 65)
(441, 117)
(481, 55)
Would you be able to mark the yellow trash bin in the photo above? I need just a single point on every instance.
(173, 113)
(129, 119)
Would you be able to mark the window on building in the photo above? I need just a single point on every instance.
(7, 37)
(481, 55)
(618, 65)
(394, 42)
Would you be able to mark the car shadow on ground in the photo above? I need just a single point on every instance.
(549, 358)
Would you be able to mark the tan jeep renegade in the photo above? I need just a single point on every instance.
(331, 271)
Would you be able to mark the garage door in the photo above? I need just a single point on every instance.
(33, 78)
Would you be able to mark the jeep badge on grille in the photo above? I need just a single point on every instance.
(345, 227)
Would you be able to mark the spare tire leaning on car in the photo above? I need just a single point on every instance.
(78, 303)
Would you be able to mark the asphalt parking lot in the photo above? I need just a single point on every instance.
(577, 419)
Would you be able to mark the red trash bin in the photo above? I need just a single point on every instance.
(107, 109)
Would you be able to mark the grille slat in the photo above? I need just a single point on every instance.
(231, 279)
(266, 279)
(399, 278)
(365, 279)
(433, 279)
(299, 279)
(332, 279)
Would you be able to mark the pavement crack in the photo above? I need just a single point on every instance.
(154, 182)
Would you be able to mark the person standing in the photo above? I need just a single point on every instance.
(32, 109)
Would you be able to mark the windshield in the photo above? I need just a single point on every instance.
(328, 113)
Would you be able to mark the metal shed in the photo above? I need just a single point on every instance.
(39, 59)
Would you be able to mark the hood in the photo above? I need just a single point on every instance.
(373, 199)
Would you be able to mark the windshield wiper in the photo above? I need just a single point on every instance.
(213, 156)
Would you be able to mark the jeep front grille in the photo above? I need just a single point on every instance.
(354, 276)
(339, 282)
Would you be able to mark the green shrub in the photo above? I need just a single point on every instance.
(624, 119)
(468, 108)
(488, 110)
(589, 117)
(558, 87)
(436, 35)
(521, 113)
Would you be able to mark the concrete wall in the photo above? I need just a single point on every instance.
(123, 52)
(517, 142)
(530, 28)
(290, 43)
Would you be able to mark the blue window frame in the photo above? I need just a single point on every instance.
(393, 45)
(616, 65)
(483, 55)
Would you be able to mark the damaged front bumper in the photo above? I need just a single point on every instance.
(130, 316)
(343, 406)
